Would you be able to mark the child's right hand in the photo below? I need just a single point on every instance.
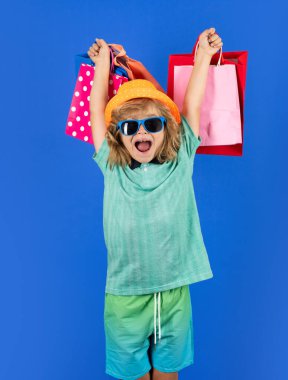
(99, 52)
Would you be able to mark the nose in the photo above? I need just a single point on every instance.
(142, 129)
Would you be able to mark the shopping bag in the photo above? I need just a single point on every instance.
(134, 68)
(78, 122)
(84, 58)
(222, 109)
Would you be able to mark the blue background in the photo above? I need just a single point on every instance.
(53, 257)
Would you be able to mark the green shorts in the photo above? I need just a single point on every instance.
(149, 330)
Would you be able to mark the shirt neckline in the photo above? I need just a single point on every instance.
(135, 164)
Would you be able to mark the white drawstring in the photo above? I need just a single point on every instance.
(155, 312)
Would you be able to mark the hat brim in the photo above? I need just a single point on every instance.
(117, 100)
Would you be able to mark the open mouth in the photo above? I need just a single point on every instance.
(143, 146)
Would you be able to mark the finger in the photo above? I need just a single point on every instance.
(103, 42)
(217, 46)
(215, 42)
(96, 49)
(207, 33)
(210, 31)
(91, 55)
(99, 42)
(214, 38)
(92, 52)
(211, 38)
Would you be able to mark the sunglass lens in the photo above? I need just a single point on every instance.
(153, 125)
(129, 127)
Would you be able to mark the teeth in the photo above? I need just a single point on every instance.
(138, 141)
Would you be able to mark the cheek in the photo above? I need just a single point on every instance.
(127, 142)
(160, 139)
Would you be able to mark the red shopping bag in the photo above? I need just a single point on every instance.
(177, 62)
(78, 122)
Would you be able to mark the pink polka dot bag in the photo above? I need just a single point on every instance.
(78, 122)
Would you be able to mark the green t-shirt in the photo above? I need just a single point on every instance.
(151, 224)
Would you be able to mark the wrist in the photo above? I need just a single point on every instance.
(102, 66)
(101, 75)
(202, 56)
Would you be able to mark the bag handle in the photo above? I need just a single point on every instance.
(194, 52)
(120, 54)
(119, 48)
(111, 61)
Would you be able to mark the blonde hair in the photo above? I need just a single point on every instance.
(119, 155)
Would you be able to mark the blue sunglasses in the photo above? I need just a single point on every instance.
(153, 124)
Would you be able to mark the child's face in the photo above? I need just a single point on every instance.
(155, 138)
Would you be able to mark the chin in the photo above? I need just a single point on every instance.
(145, 157)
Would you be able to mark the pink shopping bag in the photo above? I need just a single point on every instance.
(220, 122)
(222, 109)
(78, 122)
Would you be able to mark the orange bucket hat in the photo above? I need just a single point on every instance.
(139, 88)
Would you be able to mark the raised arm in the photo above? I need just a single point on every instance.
(209, 44)
(100, 54)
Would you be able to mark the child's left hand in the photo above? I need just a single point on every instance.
(209, 42)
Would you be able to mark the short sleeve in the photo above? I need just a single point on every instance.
(189, 140)
(101, 156)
